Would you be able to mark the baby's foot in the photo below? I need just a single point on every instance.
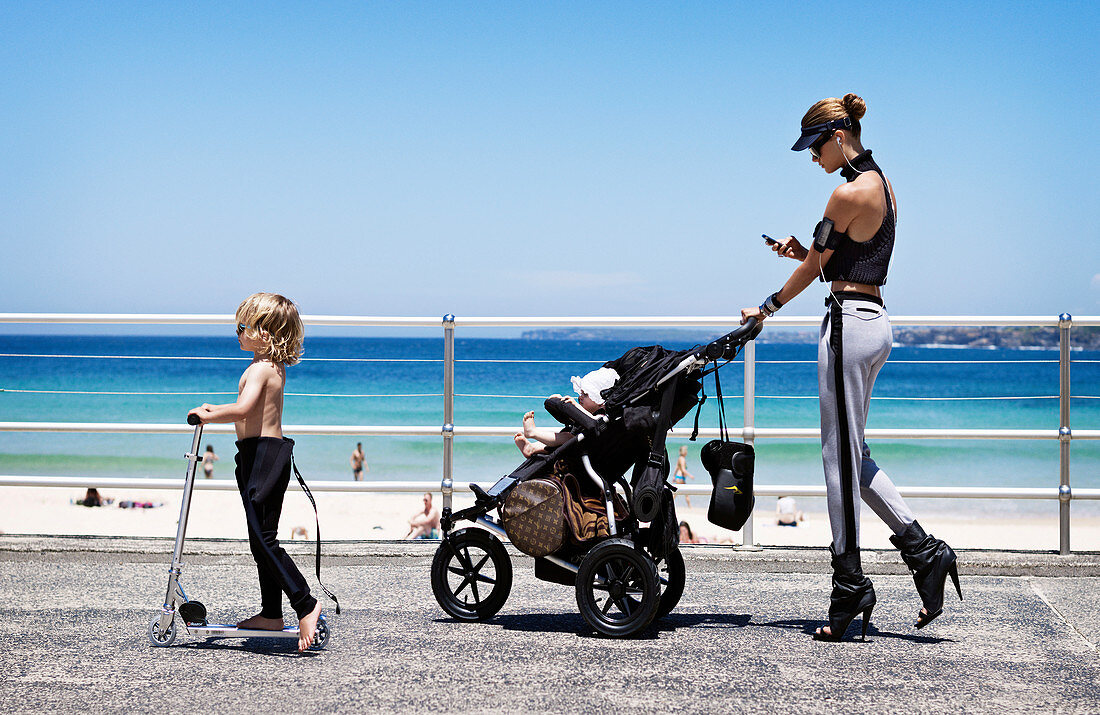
(525, 447)
(529, 424)
(307, 628)
(259, 623)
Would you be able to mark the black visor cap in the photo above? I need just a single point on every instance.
(812, 134)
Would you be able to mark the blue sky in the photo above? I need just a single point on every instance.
(534, 158)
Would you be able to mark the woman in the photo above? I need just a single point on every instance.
(208, 459)
(681, 474)
(851, 250)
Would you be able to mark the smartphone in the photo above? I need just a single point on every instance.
(768, 239)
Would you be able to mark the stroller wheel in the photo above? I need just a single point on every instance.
(471, 575)
(617, 588)
(671, 575)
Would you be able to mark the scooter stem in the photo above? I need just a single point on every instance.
(193, 459)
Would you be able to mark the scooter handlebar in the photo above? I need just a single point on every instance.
(193, 419)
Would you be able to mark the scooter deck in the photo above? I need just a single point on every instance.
(228, 630)
(231, 631)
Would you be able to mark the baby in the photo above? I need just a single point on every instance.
(534, 440)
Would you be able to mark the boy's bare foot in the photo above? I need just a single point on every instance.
(307, 628)
(259, 623)
(529, 424)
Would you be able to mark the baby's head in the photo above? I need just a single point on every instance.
(590, 388)
(273, 321)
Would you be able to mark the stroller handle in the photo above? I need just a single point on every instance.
(733, 340)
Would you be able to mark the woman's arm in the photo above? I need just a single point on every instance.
(844, 205)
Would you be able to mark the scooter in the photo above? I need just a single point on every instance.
(162, 629)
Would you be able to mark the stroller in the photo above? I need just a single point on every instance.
(619, 548)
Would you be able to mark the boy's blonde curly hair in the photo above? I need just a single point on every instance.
(274, 321)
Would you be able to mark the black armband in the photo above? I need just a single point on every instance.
(823, 235)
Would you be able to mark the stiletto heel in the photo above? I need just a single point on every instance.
(954, 571)
(852, 594)
(866, 622)
(931, 561)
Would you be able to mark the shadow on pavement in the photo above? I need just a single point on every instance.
(274, 647)
(809, 626)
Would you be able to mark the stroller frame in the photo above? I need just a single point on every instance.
(621, 584)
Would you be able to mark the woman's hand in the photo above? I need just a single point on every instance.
(789, 247)
(753, 312)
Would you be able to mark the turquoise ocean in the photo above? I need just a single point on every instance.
(399, 381)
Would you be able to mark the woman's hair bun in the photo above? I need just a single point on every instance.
(854, 106)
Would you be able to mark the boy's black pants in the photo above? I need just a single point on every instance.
(263, 473)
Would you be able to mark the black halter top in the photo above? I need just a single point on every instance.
(865, 262)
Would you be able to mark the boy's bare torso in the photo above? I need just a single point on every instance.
(265, 419)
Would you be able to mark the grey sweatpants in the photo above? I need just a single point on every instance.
(855, 342)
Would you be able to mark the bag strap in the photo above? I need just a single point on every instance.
(657, 454)
(317, 519)
(721, 408)
(702, 399)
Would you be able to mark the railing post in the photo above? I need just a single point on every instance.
(1065, 435)
(749, 432)
(448, 410)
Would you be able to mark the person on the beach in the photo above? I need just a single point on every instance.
(534, 440)
(423, 523)
(269, 327)
(208, 459)
(786, 511)
(851, 250)
(92, 498)
(681, 474)
(686, 535)
(358, 462)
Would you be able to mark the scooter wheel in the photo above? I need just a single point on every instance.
(161, 638)
(320, 639)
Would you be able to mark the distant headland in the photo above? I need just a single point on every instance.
(966, 337)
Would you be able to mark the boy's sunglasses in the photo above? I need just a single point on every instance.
(241, 327)
(815, 148)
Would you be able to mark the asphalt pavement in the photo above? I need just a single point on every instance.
(74, 613)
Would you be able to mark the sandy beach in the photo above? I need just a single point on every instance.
(218, 514)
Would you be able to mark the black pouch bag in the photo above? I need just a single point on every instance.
(730, 465)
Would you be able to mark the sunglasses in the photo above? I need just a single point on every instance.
(815, 148)
(241, 327)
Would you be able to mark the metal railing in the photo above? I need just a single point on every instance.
(449, 430)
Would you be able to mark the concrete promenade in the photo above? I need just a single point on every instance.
(74, 612)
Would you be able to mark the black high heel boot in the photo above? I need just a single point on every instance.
(852, 594)
(931, 561)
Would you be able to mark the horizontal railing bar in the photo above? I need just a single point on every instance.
(506, 360)
(760, 490)
(498, 431)
(725, 321)
(209, 319)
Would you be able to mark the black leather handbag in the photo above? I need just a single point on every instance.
(730, 465)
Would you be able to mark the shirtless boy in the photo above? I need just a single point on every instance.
(268, 326)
